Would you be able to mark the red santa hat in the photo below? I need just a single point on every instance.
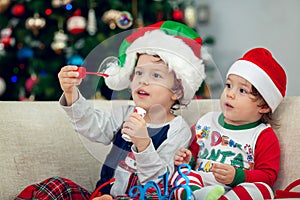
(259, 67)
(177, 45)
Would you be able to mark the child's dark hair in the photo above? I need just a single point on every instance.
(266, 117)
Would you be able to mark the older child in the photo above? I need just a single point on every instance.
(162, 65)
(239, 151)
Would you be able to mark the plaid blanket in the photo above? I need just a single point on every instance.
(57, 188)
(54, 188)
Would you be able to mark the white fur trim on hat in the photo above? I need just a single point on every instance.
(259, 79)
(173, 51)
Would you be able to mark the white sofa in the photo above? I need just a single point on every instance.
(37, 142)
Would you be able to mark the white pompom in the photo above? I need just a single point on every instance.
(115, 79)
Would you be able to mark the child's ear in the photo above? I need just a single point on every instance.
(177, 94)
(174, 97)
(264, 109)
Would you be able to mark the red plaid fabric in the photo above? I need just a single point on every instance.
(57, 188)
(54, 188)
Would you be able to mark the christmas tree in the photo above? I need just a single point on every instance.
(39, 37)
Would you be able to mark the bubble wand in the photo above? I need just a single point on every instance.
(82, 73)
(107, 63)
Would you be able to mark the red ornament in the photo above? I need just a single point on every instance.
(6, 42)
(48, 11)
(76, 24)
(6, 37)
(177, 15)
(18, 10)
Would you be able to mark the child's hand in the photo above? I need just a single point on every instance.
(68, 78)
(182, 155)
(223, 173)
(135, 127)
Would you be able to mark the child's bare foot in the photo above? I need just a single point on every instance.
(104, 197)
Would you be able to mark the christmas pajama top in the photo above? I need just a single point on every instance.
(123, 161)
(253, 149)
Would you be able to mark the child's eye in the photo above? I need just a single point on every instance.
(156, 75)
(138, 73)
(228, 85)
(243, 91)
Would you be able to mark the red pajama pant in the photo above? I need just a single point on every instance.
(244, 191)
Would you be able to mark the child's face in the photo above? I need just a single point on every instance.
(152, 83)
(238, 105)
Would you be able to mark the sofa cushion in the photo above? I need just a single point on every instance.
(38, 142)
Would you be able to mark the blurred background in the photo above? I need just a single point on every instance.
(38, 37)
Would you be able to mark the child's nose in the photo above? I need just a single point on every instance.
(144, 80)
(230, 93)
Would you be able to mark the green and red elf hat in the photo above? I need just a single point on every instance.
(178, 46)
(260, 68)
